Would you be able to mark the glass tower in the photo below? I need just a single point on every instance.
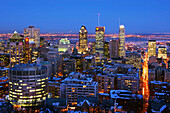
(122, 41)
(152, 48)
(83, 44)
(100, 37)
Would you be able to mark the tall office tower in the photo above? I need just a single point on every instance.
(64, 45)
(122, 51)
(106, 49)
(93, 47)
(33, 34)
(79, 60)
(83, 44)
(4, 60)
(114, 48)
(27, 50)
(2, 46)
(100, 37)
(162, 52)
(77, 85)
(16, 51)
(28, 84)
(151, 48)
(133, 58)
(54, 58)
(68, 66)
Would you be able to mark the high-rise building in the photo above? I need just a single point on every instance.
(83, 44)
(106, 49)
(128, 82)
(114, 48)
(122, 51)
(100, 38)
(4, 72)
(33, 34)
(79, 60)
(4, 60)
(162, 52)
(77, 85)
(28, 84)
(15, 49)
(54, 58)
(133, 58)
(105, 81)
(64, 45)
(2, 46)
(68, 66)
(151, 48)
(93, 47)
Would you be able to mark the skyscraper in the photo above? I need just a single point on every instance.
(64, 45)
(122, 41)
(114, 47)
(162, 52)
(100, 37)
(151, 48)
(33, 34)
(15, 46)
(28, 84)
(83, 44)
(106, 49)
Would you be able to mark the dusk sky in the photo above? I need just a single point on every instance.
(67, 16)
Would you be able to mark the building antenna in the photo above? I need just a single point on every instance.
(98, 19)
(119, 21)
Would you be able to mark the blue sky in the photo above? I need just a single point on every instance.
(67, 16)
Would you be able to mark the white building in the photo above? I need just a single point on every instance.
(77, 85)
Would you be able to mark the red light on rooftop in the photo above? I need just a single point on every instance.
(26, 40)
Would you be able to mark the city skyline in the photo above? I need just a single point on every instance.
(68, 16)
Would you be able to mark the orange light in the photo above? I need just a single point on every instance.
(26, 40)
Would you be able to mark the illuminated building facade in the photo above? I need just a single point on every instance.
(53, 58)
(151, 48)
(68, 66)
(93, 47)
(27, 51)
(133, 58)
(106, 49)
(100, 38)
(114, 48)
(4, 72)
(122, 51)
(64, 45)
(54, 87)
(79, 60)
(130, 82)
(28, 84)
(77, 85)
(16, 50)
(33, 34)
(83, 44)
(2, 46)
(106, 82)
(162, 52)
(4, 60)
